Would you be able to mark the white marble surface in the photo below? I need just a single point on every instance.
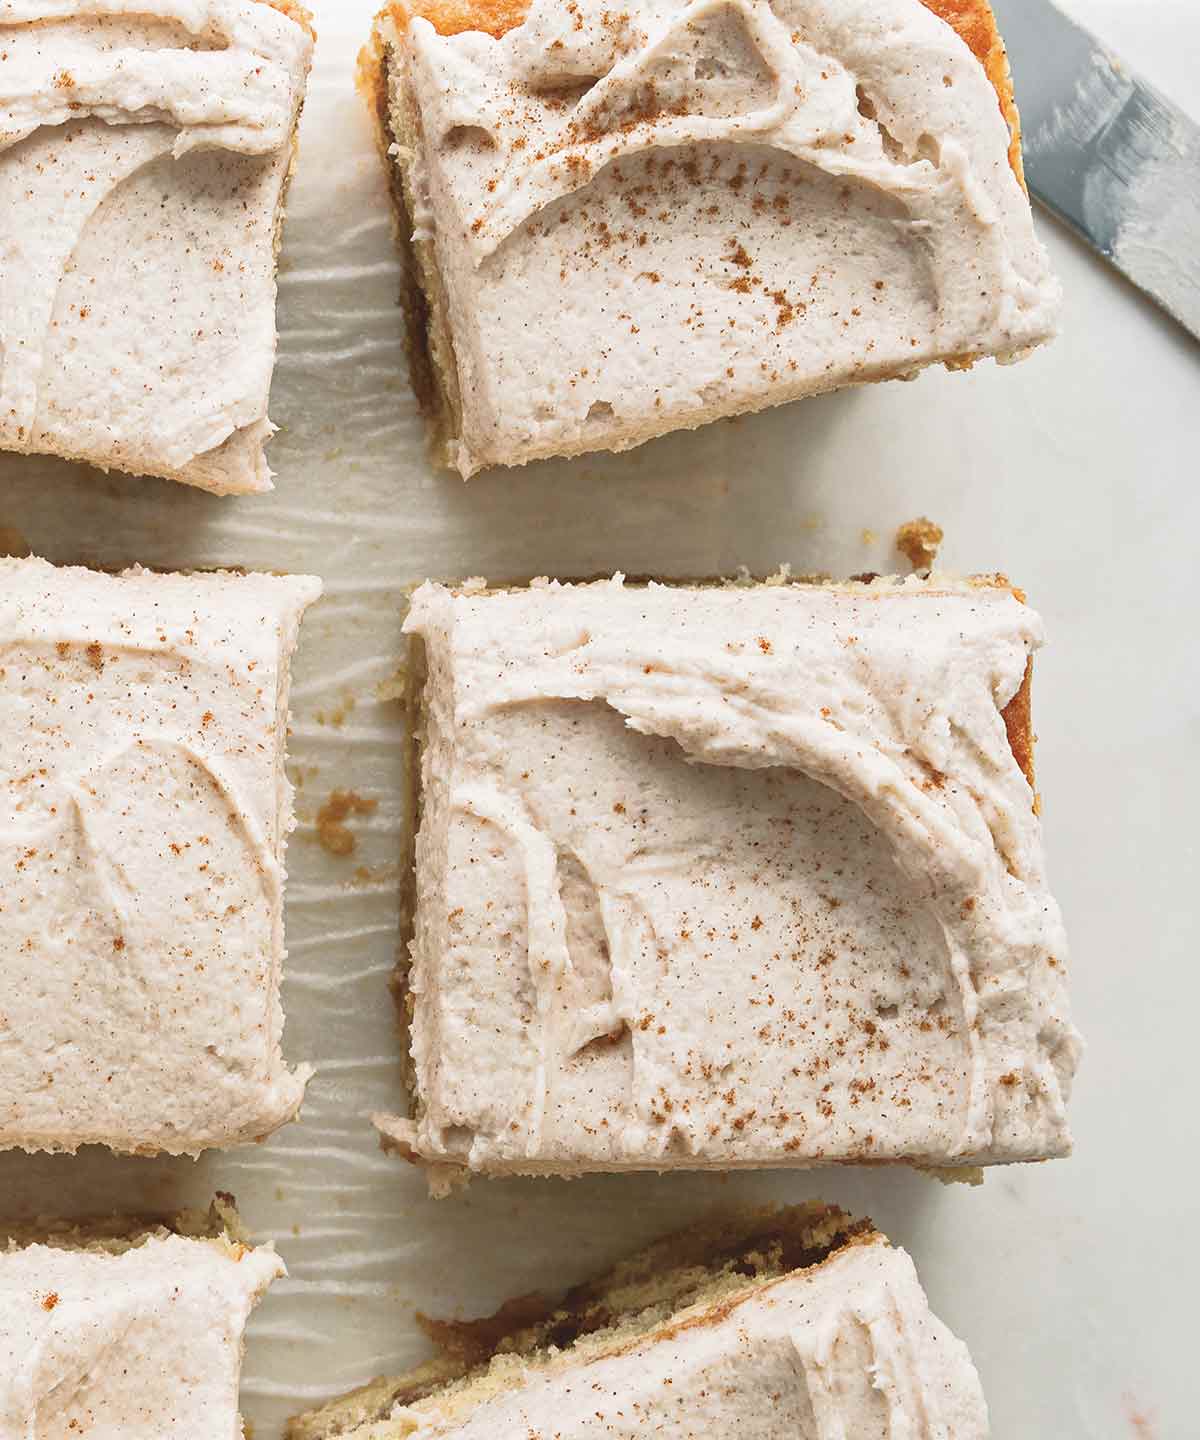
(1074, 1283)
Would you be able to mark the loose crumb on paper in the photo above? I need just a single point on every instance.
(954, 1174)
(919, 540)
(1141, 1421)
(395, 687)
(335, 835)
(337, 718)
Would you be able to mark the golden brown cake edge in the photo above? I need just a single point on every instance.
(973, 21)
(294, 10)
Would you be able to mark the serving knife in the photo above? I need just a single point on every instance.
(1108, 153)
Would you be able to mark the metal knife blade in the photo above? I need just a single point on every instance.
(1109, 154)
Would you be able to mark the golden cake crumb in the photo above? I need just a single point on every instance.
(919, 540)
(334, 835)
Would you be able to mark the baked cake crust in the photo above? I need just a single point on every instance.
(294, 11)
(113, 1234)
(973, 20)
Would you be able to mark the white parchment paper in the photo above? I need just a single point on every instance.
(1076, 473)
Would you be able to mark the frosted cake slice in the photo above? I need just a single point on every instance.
(730, 876)
(144, 154)
(127, 1331)
(144, 812)
(626, 219)
(794, 1324)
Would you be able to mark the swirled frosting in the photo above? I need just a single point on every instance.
(846, 1348)
(143, 816)
(648, 215)
(146, 1342)
(143, 153)
(713, 877)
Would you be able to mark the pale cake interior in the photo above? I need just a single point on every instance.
(433, 371)
(115, 1235)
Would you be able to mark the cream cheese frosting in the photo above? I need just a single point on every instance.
(648, 216)
(139, 1345)
(144, 149)
(730, 876)
(144, 811)
(847, 1348)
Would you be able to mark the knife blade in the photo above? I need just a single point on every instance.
(1108, 153)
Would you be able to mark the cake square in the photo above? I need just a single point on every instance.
(730, 876)
(144, 811)
(126, 1332)
(144, 155)
(799, 1322)
(626, 220)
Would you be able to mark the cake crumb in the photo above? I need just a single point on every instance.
(334, 835)
(1141, 1422)
(957, 1175)
(395, 687)
(919, 540)
(50, 1301)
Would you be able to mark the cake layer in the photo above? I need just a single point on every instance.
(712, 877)
(629, 220)
(125, 1336)
(144, 151)
(811, 1330)
(144, 811)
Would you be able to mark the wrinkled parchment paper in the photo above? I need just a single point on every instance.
(1076, 473)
